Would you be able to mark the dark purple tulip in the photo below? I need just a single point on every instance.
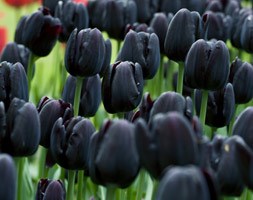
(114, 138)
(225, 165)
(243, 126)
(159, 24)
(95, 10)
(50, 190)
(13, 53)
(118, 96)
(220, 106)
(72, 15)
(247, 34)
(231, 7)
(168, 6)
(184, 29)
(185, 183)
(138, 27)
(107, 60)
(160, 143)
(52, 4)
(239, 71)
(2, 123)
(8, 177)
(172, 101)
(22, 135)
(144, 49)
(214, 6)
(38, 31)
(187, 91)
(85, 52)
(216, 26)
(13, 82)
(145, 10)
(90, 95)
(207, 65)
(69, 142)
(49, 111)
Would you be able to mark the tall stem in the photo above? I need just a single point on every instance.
(79, 82)
(30, 70)
(231, 123)
(203, 107)
(180, 77)
(42, 163)
(71, 184)
(21, 163)
(110, 193)
(80, 185)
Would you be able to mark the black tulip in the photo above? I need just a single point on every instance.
(243, 126)
(107, 60)
(224, 163)
(220, 106)
(72, 15)
(70, 143)
(246, 34)
(49, 111)
(114, 138)
(177, 42)
(14, 53)
(172, 101)
(13, 82)
(214, 6)
(159, 24)
(52, 4)
(50, 190)
(144, 49)
(38, 32)
(239, 71)
(188, 182)
(231, 7)
(168, 6)
(116, 95)
(2, 123)
(90, 95)
(160, 143)
(207, 65)
(95, 10)
(138, 27)
(22, 135)
(85, 52)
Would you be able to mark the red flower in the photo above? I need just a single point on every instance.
(19, 3)
(85, 2)
(3, 38)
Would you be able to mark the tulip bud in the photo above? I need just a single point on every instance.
(207, 65)
(160, 143)
(118, 96)
(70, 141)
(85, 52)
(114, 138)
(8, 177)
(246, 34)
(13, 82)
(72, 15)
(52, 4)
(177, 42)
(144, 49)
(90, 95)
(14, 53)
(50, 190)
(38, 31)
(49, 111)
(22, 135)
(185, 183)
(168, 6)
(243, 89)
(220, 106)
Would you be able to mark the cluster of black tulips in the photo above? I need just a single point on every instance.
(155, 102)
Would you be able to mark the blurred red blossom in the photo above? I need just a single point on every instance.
(19, 3)
(3, 38)
(85, 2)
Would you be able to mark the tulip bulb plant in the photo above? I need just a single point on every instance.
(108, 115)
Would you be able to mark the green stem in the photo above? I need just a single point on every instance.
(203, 107)
(21, 163)
(79, 82)
(71, 184)
(141, 182)
(231, 123)
(30, 69)
(110, 193)
(80, 184)
(180, 78)
(42, 163)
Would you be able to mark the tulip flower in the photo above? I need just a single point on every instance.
(3, 38)
(52, 4)
(114, 138)
(246, 34)
(8, 177)
(90, 95)
(116, 95)
(50, 189)
(160, 143)
(188, 182)
(19, 3)
(240, 70)
(13, 52)
(72, 15)
(142, 48)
